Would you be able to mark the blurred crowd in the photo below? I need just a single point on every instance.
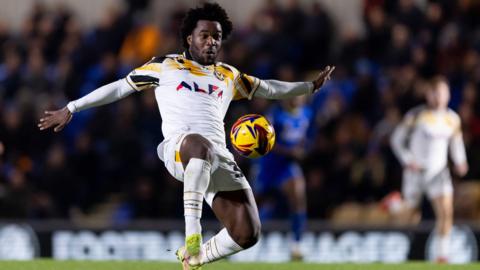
(106, 157)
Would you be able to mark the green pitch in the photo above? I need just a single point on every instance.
(82, 265)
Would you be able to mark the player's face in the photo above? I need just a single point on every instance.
(205, 42)
(439, 96)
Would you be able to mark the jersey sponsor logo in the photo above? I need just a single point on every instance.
(219, 75)
(212, 90)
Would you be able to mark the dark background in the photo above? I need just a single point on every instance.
(103, 167)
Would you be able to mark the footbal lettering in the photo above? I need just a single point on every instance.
(212, 89)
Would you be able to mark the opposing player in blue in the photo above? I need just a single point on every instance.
(279, 173)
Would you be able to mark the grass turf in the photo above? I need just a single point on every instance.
(81, 265)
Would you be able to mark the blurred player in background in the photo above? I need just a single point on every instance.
(279, 173)
(193, 92)
(422, 142)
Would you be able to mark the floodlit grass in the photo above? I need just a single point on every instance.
(83, 265)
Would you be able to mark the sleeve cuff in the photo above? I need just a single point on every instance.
(131, 83)
(311, 86)
(71, 107)
(256, 85)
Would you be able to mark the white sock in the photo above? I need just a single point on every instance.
(195, 183)
(219, 246)
(443, 245)
(192, 225)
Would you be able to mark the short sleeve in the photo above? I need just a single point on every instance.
(146, 76)
(245, 86)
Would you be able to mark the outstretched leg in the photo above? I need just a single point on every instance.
(238, 212)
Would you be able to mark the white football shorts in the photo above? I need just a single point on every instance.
(226, 175)
(414, 184)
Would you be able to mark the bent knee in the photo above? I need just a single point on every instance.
(247, 236)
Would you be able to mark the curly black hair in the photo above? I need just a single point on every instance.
(209, 12)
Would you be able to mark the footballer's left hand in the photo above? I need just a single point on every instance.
(322, 77)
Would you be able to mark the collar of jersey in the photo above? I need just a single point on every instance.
(188, 56)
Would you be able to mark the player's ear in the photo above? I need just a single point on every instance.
(189, 40)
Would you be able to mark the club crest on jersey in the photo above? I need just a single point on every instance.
(219, 75)
(212, 90)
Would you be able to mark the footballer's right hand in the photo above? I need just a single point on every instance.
(57, 119)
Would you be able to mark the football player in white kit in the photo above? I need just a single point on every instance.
(193, 93)
(422, 142)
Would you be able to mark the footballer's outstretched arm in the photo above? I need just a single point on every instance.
(273, 89)
(106, 94)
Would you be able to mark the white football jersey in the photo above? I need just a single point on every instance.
(191, 97)
(430, 134)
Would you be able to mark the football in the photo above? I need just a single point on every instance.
(252, 136)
